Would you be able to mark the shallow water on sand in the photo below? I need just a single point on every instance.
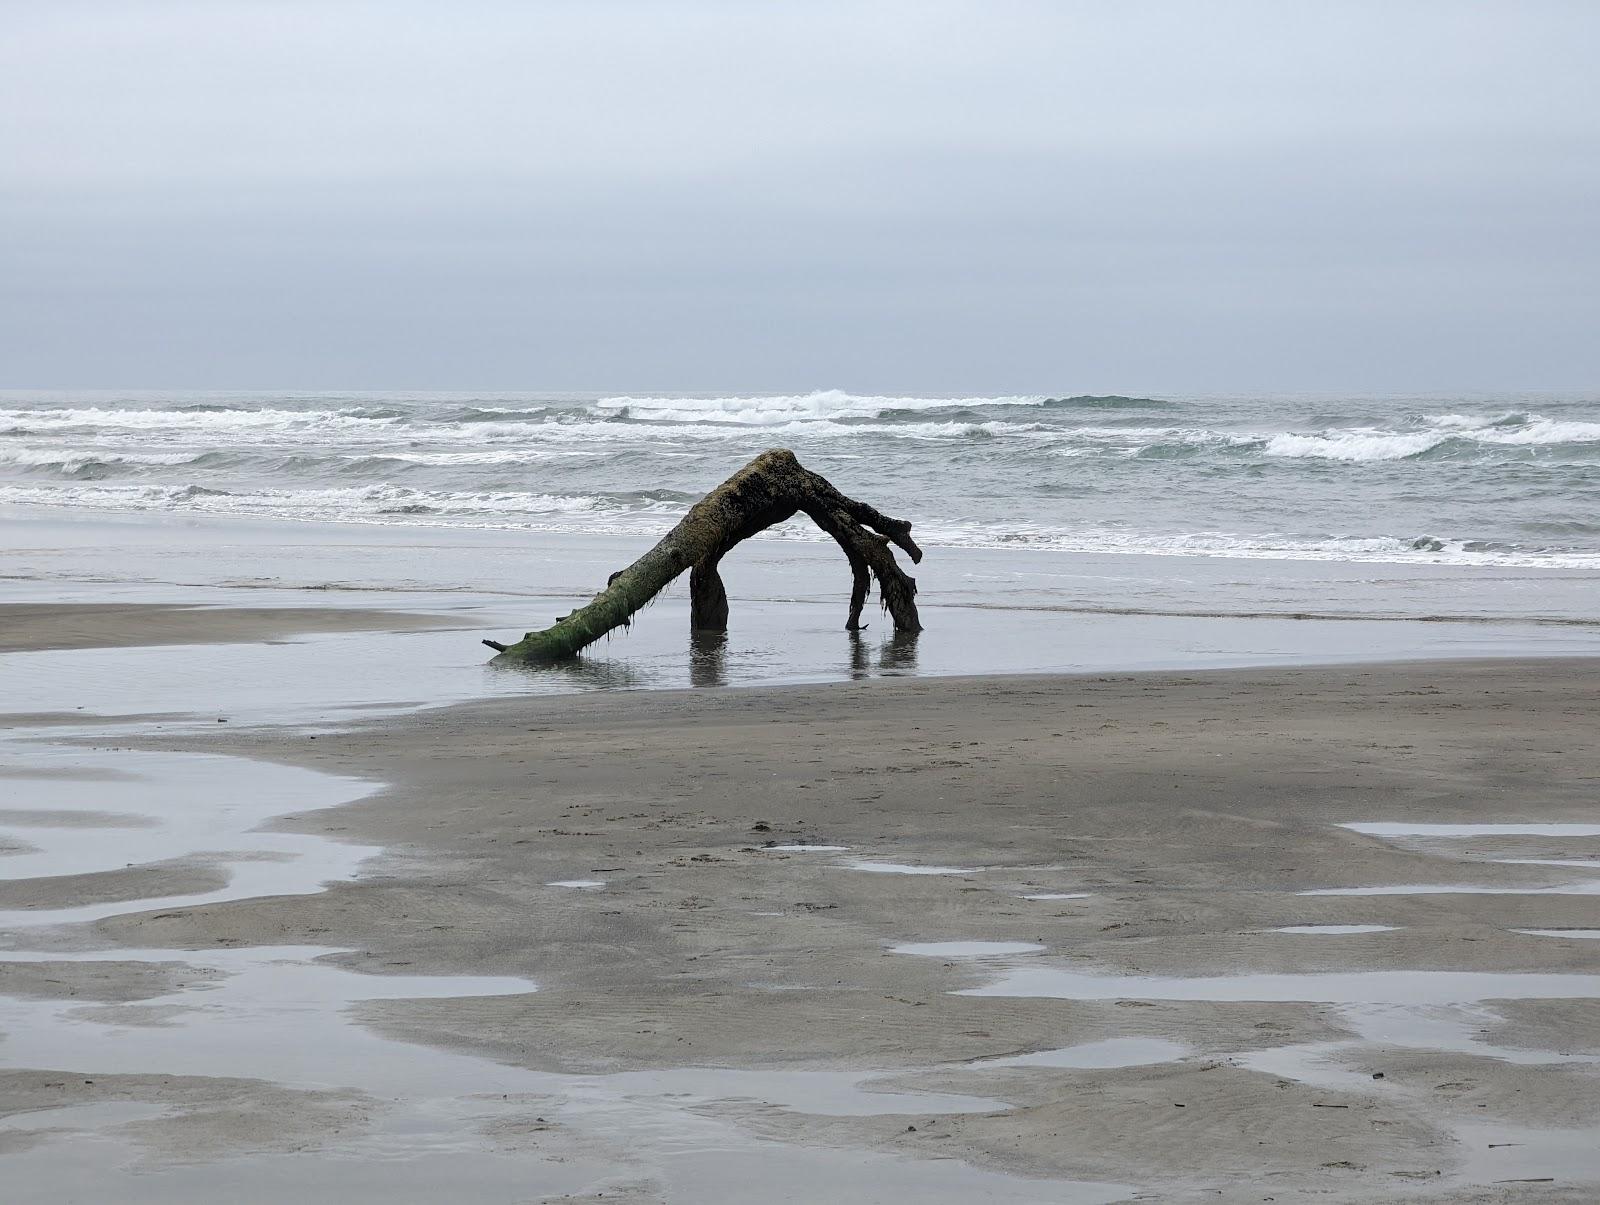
(280, 1015)
(1008, 610)
(1399, 988)
(202, 810)
(966, 949)
(1577, 934)
(1382, 1011)
(1451, 841)
(326, 679)
(1497, 829)
(426, 1120)
(874, 867)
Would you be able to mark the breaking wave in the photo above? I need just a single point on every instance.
(1442, 432)
(1516, 480)
(782, 410)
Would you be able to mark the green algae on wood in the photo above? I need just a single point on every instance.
(770, 489)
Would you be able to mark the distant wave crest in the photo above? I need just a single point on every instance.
(778, 410)
(1337, 478)
(1441, 431)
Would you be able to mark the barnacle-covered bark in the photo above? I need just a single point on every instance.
(770, 489)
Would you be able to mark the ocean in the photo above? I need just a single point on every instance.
(1505, 480)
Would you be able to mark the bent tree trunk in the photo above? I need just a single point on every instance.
(770, 489)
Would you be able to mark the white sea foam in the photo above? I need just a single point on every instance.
(1460, 422)
(1229, 545)
(116, 419)
(485, 457)
(1541, 431)
(1375, 443)
(67, 460)
(1355, 445)
(780, 409)
(1365, 482)
(610, 515)
(352, 503)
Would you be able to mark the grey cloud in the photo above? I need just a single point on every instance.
(938, 197)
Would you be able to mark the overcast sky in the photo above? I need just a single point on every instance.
(937, 197)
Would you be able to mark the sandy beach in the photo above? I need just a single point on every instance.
(1039, 938)
(799, 604)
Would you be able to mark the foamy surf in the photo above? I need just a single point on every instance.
(1514, 484)
(779, 409)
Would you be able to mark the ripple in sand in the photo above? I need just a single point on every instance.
(1096, 1056)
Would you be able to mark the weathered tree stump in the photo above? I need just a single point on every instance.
(770, 489)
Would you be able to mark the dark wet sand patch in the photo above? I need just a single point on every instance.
(29, 627)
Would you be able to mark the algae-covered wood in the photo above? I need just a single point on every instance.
(770, 489)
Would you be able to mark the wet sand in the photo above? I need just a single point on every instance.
(1159, 837)
(35, 627)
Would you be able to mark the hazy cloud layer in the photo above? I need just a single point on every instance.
(992, 196)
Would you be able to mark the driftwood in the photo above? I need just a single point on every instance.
(770, 489)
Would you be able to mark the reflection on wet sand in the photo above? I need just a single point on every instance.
(711, 663)
(708, 658)
(576, 673)
(895, 655)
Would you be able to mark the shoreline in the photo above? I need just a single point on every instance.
(295, 664)
(251, 553)
(1167, 834)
